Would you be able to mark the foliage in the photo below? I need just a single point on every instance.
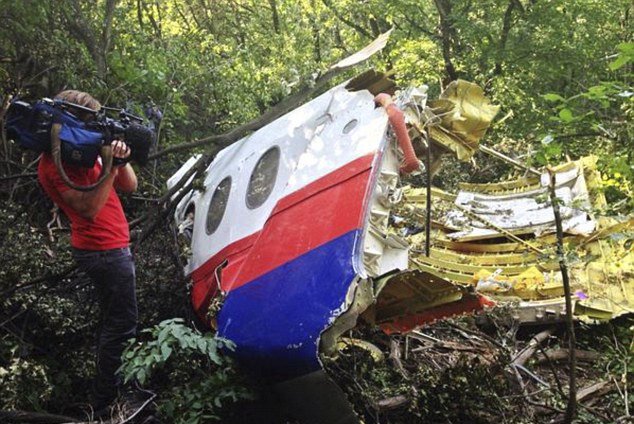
(560, 69)
(48, 324)
(32, 374)
(201, 378)
(212, 65)
(24, 385)
(603, 111)
(615, 343)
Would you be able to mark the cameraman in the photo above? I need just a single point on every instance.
(100, 241)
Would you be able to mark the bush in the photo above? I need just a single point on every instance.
(200, 378)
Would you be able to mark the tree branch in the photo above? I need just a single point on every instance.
(571, 407)
(346, 21)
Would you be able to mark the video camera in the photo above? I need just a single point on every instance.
(128, 128)
(52, 126)
(30, 126)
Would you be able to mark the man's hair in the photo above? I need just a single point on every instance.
(79, 98)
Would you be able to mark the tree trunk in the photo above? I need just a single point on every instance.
(447, 31)
(506, 28)
(98, 46)
(276, 18)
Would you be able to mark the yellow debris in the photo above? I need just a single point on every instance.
(530, 279)
(466, 114)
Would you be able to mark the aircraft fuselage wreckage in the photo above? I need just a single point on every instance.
(307, 225)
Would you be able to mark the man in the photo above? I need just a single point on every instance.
(100, 240)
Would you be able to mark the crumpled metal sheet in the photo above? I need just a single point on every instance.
(464, 114)
(524, 273)
(480, 215)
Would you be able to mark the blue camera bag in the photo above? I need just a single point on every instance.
(30, 127)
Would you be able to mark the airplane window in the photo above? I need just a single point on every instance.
(263, 178)
(217, 205)
(350, 126)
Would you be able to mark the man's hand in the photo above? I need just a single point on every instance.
(125, 179)
(120, 150)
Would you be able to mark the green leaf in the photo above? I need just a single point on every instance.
(163, 335)
(202, 345)
(553, 150)
(566, 115)
(627, 48)
(166, 351)
(141, 375)
(214, 357)
(553, 97)
(620, 61)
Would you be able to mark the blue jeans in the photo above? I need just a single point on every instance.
(113, 276)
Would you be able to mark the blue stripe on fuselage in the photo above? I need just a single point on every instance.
(275, 320)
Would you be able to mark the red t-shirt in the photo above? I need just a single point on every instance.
(108, 230)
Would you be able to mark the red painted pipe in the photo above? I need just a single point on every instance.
(397, 120)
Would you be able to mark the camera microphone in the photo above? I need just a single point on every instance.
(140, 139)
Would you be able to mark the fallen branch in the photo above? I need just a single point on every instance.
(599, 389)
(532, 375)
(395, 358)
(524, 355)
(448, 345)
(562, 355)
(391, 403)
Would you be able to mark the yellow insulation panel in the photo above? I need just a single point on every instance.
(600, 264)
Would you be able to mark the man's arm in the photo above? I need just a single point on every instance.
(89, 203)
(126, 179)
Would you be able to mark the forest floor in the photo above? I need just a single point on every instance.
(486, 369)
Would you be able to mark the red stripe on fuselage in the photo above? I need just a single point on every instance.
(204, 278)
(340, 175)
(313, 215)
(324, 213)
